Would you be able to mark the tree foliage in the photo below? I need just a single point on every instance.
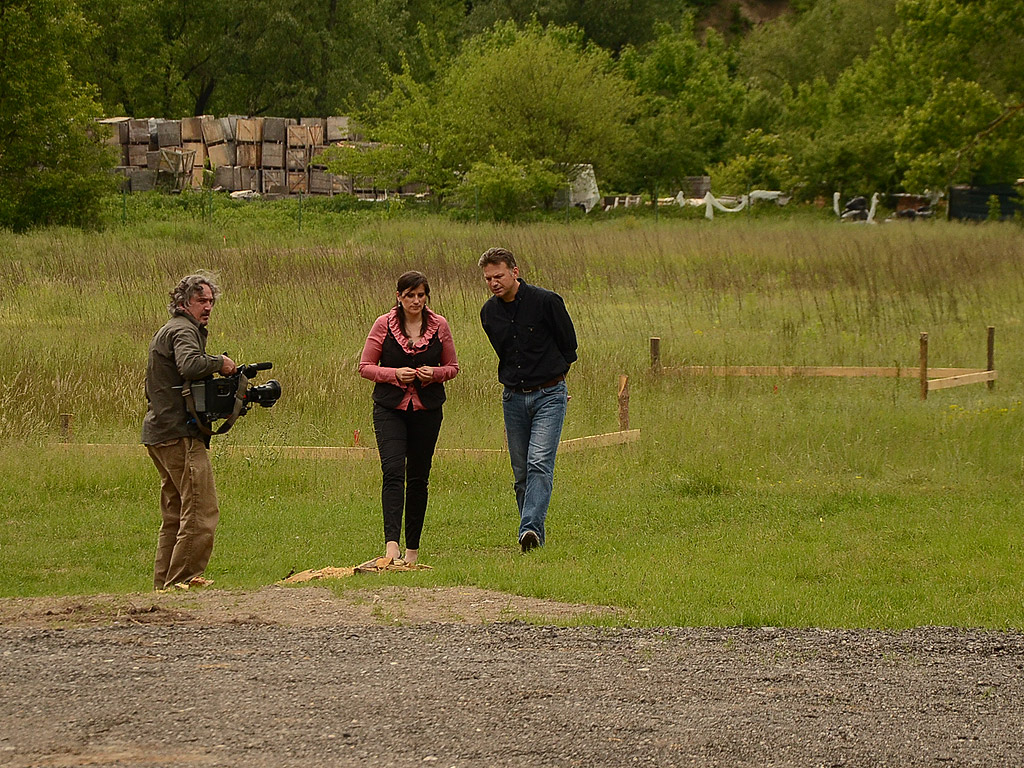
(611, 24)
(530, 96)
(53, 165)
(690, 104)
(254, 57)
(537, 93)
(488, 99)
(923, 109)
(819, 42)
(503, 188)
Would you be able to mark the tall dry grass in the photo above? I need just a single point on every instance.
(78, 310)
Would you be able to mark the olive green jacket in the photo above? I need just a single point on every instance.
(176, 354)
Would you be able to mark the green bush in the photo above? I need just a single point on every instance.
(504, 188)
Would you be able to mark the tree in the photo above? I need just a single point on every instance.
(53, 166)
(255, 57)
(504, 188)
(947, 139)
(922, 109)
(820, 42)
(537, 94)
(690, 106)
(611, 24)
(758, 162)
(527, 95)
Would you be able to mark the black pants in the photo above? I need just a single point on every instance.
(405, 441)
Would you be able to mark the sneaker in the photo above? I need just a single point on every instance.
(529, 540)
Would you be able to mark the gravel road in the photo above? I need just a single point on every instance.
(405, 677)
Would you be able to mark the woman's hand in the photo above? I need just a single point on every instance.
(425, 374)
(405, 375)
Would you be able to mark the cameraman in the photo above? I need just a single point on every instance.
(188, 499)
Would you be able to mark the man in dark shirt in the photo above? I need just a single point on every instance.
(533, 335)
(188, 498)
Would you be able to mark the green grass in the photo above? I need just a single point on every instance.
(796, 502)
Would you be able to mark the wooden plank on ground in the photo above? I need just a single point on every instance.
(334, 452)
(959, 381)
(837, 371)
(600, 441)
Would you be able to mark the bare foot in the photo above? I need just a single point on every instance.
(411, 555)
(392, 550)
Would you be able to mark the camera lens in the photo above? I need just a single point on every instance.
(264, 394)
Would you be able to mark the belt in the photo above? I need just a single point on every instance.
(545, 385)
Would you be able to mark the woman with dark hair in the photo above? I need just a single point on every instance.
(409, 354)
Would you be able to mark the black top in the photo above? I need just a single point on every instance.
(394, 355)
(532, 334)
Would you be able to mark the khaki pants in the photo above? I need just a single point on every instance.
(188, 506)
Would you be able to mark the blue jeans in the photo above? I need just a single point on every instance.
(533, 425)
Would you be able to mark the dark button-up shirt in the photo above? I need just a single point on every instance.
(533, 336)
(177, 353)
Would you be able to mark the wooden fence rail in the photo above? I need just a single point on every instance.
(930, 378)
(623, 436)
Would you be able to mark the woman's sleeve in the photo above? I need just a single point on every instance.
(449, 366)
(369, 361)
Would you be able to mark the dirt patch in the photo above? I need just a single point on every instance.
(287, 606)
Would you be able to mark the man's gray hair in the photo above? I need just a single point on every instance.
(188, 287)
(497, 256)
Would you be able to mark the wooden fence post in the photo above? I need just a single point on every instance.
(924, 366)
(623, 403)
(655, 354)
(66, 427)
(991, 353)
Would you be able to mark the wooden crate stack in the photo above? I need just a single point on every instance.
(139, 140)
(299, 147)
(249, 152)
(220, 151)
(321, 182)
(272, 155)
(192, 141)
(165, 135)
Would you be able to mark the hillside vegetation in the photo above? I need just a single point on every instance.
(509, 95)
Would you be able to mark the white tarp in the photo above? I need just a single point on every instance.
(712, 203)
(583, 189)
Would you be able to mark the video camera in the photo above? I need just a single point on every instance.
(228, 397)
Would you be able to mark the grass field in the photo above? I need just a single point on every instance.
(798, 502)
